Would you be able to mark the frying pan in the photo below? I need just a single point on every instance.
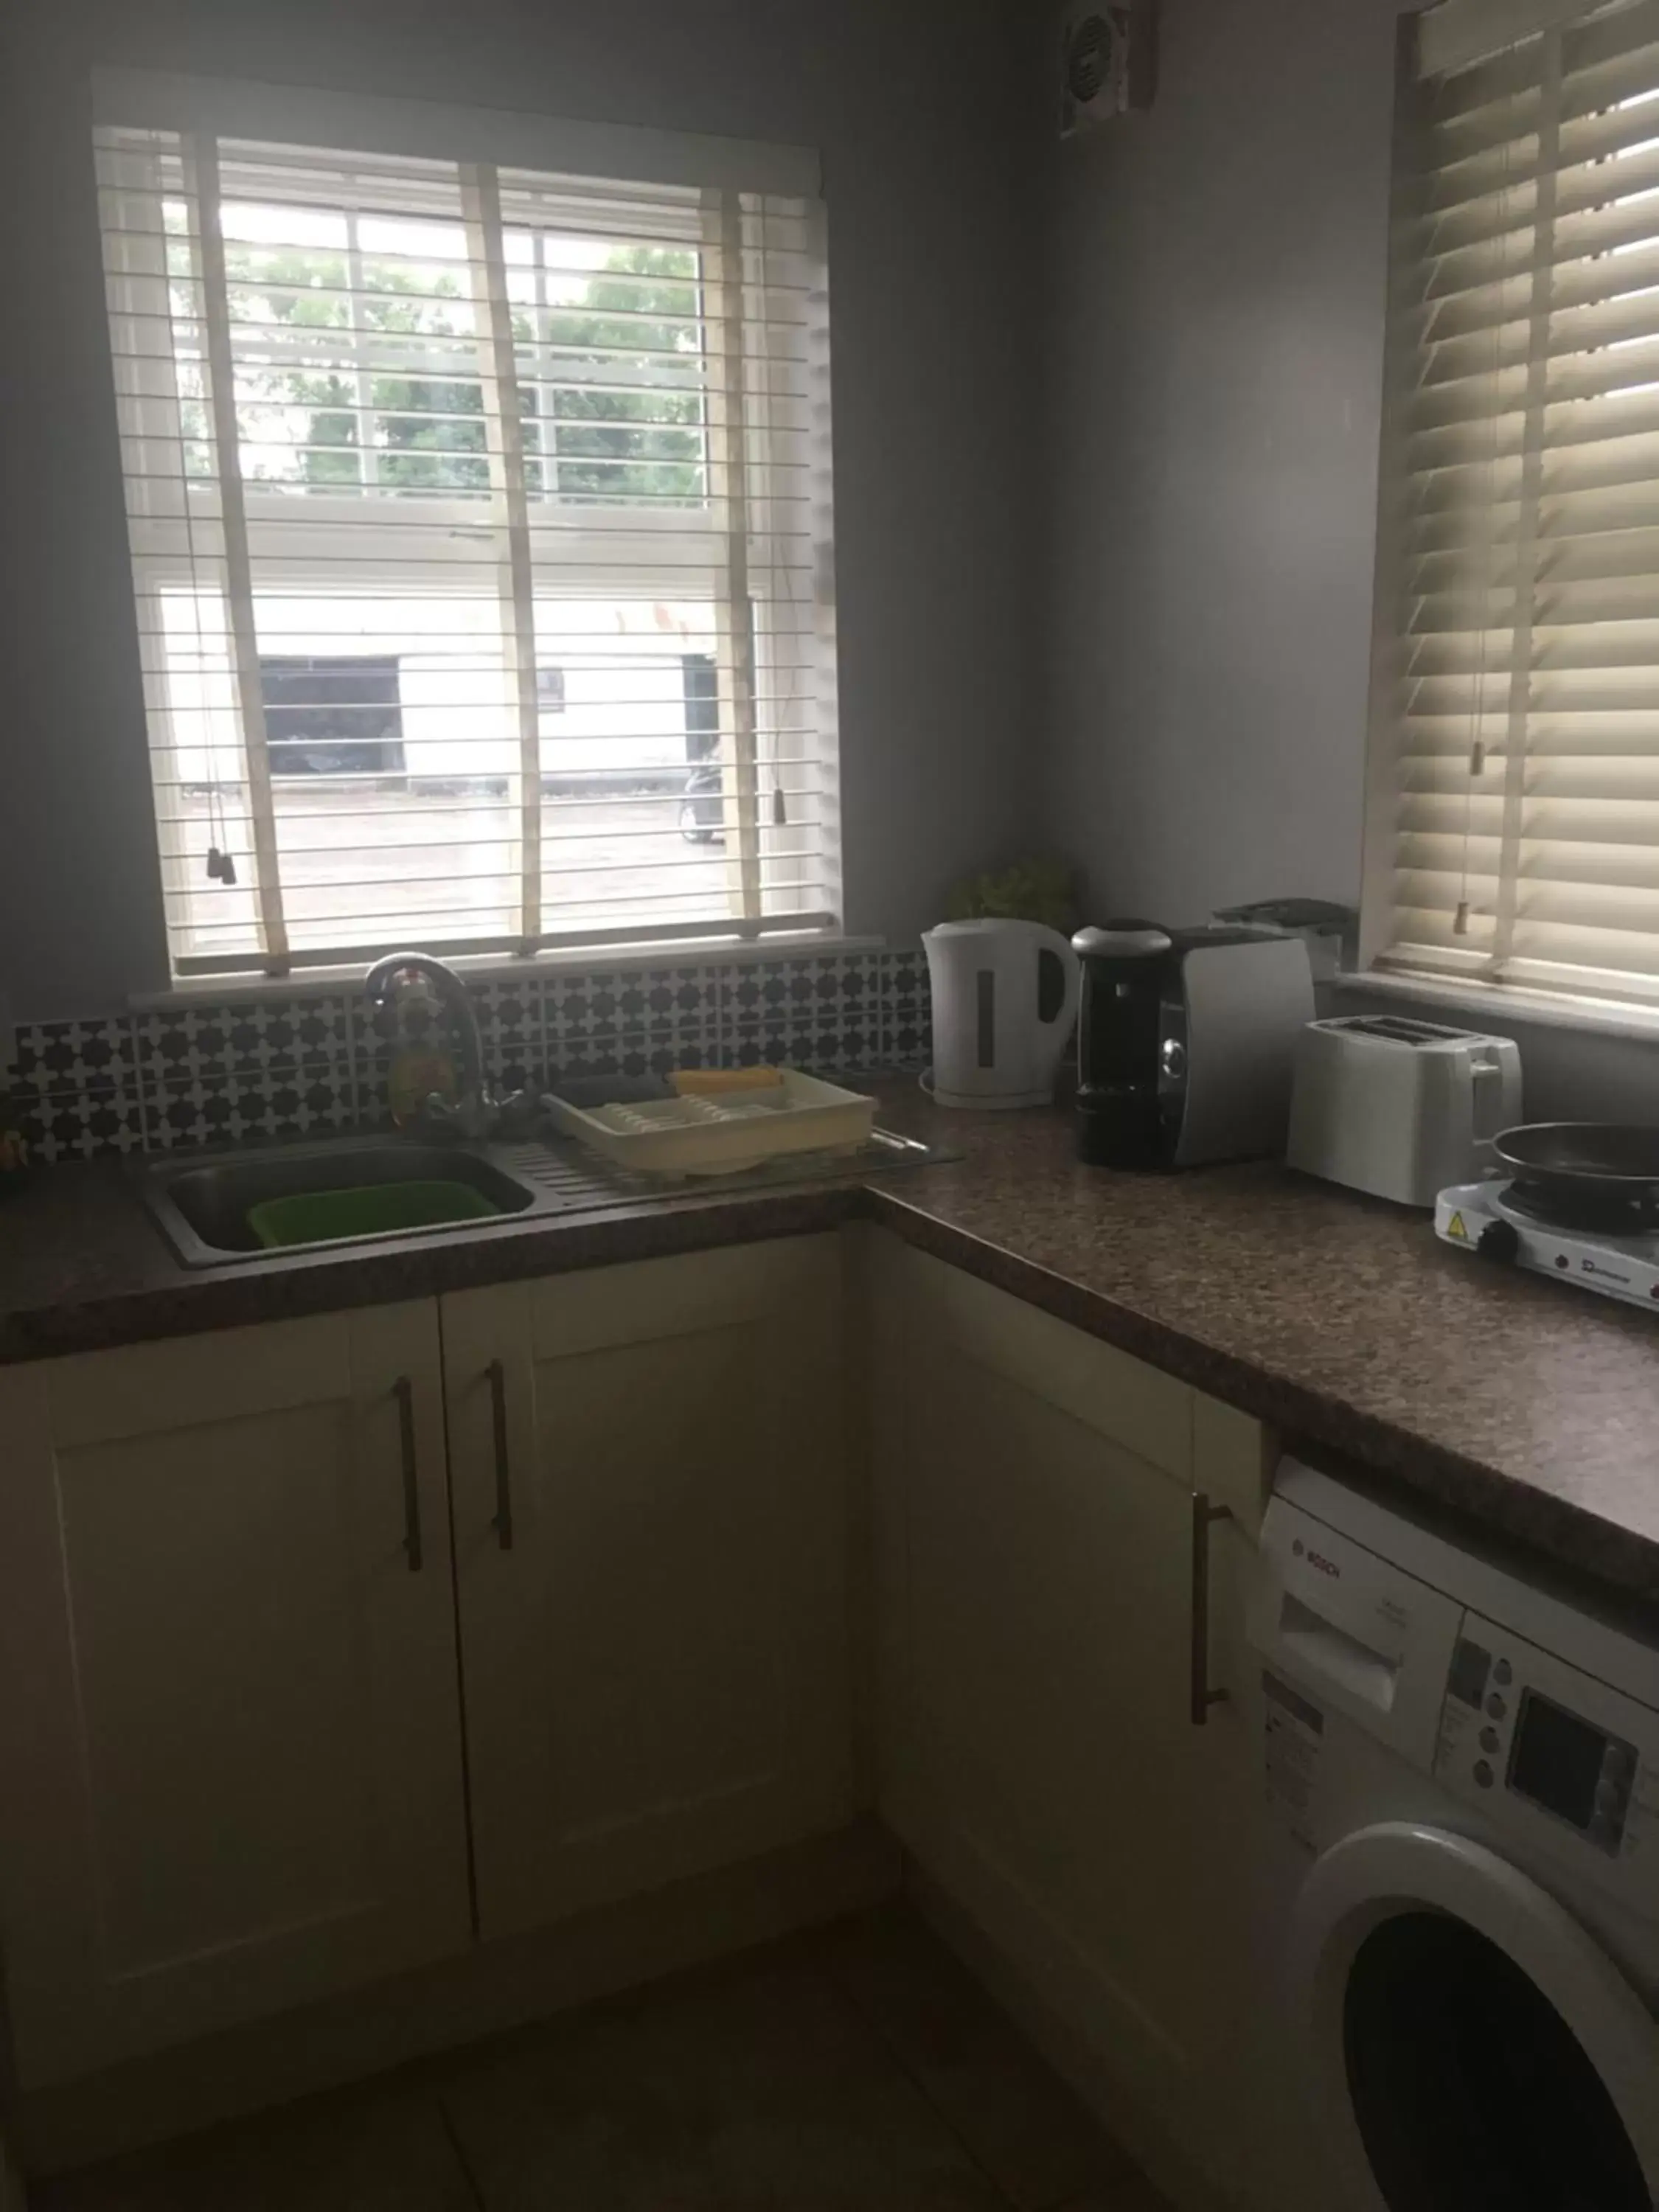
(1598, 1173)
(1612, 1156)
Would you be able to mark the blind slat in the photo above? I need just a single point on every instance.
(1600, 135)
(1459, 105)
(1570, 611)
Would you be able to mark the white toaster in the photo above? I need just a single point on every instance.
(1401, 1108)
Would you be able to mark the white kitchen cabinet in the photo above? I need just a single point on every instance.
(230, 1764)
(649, 1479)
(1034, 1504)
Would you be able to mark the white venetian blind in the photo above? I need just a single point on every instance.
(1513, 817)
(480, 535)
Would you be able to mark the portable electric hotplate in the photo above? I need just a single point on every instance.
(1581, 1203)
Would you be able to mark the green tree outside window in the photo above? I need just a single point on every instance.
(605, 419)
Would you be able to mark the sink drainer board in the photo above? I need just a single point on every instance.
(577, 1181)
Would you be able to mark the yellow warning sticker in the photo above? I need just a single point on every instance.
(1455, 1228)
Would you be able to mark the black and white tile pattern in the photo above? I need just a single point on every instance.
(74, 1090)
(56, 1057)
(317, 1063)
(276, 1069)
(512, 1019)
(77, 1124)
(906, 1022)
(820, 1012)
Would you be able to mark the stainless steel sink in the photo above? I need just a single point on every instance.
(202, 1202)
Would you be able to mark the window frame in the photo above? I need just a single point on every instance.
(1440, 43)
(140, 100)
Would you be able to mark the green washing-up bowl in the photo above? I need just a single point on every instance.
(322, 1217)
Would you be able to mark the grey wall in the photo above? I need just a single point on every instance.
(908, 101)
(1215, 304)
(1568, 1073)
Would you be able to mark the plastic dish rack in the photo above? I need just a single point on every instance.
(722, 1133)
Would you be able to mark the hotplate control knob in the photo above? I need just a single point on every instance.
(1499, 1240)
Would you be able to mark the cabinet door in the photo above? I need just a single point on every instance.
(1035, 1519)
(229, 1731)
(656, 1671)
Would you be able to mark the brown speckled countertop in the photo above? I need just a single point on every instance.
(1508, 1399)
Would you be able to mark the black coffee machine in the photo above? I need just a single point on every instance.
(1121, 1116)
(1186, 1042)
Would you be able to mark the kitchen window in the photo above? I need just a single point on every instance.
(1513, 803)
(444, 462)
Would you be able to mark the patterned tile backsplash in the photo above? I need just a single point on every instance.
(316, 1064)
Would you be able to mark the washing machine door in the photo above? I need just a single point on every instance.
(1466, 2046)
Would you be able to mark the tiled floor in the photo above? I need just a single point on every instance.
(860, 2070)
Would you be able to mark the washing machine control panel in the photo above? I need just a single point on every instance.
(1542, 1748)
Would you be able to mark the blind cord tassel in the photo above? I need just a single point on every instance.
(1461, 924)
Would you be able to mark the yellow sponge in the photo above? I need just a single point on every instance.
(709, 1082)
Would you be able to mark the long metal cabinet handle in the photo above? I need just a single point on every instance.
(403, 1391)
(1203, 1516)
(502, 1523)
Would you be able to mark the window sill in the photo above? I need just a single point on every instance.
(1497, 1006)
(503, 968)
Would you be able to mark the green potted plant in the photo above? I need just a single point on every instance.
(1035, 890)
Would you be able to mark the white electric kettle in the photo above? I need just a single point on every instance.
(991, 1046)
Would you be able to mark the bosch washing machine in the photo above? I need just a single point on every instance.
(1459, 1895)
